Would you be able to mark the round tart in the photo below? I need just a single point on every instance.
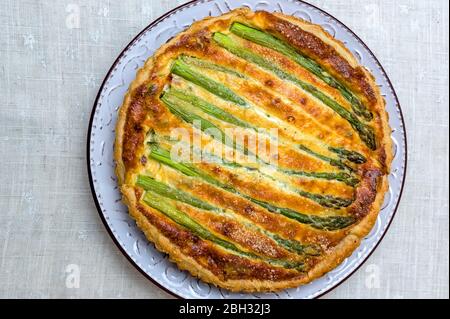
(254, 150)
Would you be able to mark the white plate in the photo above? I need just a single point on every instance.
(122, 228)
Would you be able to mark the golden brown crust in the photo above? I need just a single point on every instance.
(140, 99)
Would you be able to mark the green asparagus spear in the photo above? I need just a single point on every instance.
(365, 132)
(351, 156)
(268, 40)
(328, 222)
(324, 200)
(227, 117)
(320, 222)
(342, 177)
(332, 202)
(334, 162)
(163, 156)
(209, 65)
(164, 206)
(207, 107)
(327, 200)
(346, 178)
(150, 184)
(295, 246)
(185, 71)
(184, 110)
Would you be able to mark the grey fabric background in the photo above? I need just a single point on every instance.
(51, 69)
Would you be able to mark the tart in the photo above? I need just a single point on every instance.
(196, 166)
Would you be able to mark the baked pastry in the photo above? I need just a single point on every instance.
(228, 209)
